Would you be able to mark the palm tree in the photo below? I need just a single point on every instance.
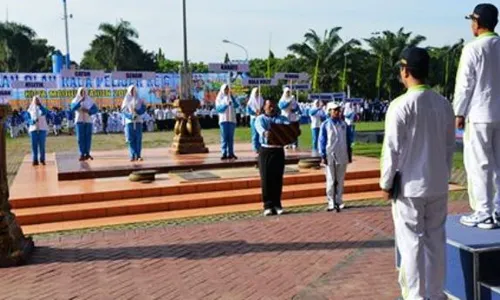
(387, 47)
(324, 57)
(444, 63)
(118, 39)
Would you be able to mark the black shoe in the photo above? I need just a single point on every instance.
(82, 158)
(42, 162)
(233, 157)
(224, 157)
(87, 157)
(35, 163)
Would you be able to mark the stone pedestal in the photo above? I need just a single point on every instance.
(15, 248)
(188, 139)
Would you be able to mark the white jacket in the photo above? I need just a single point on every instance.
(477, 91)
(419, 143)
(333, 141)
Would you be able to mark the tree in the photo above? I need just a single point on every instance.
(116, 49)
(21, 50)
(387, 47)
(324, 57)
(444, 63)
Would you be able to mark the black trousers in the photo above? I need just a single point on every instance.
(272, 167)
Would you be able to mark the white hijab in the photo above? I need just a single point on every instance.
(34, 110)
(285, 97)
(255, 102)
(131, 102)
(87, 103)
(221, 93)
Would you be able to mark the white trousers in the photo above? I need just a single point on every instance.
(482, 163)
(335, 171)
(419, 225)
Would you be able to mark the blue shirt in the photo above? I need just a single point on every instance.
(263, 124)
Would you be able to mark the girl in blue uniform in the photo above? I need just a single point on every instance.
(254, 109)
(84, 107)
(37, 122)
(225, 106)
(132, 109)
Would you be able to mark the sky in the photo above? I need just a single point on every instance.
(257, 24)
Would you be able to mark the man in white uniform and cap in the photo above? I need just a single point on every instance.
(416, 165)
(477, 103)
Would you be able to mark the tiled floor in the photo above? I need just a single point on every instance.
(299, 256)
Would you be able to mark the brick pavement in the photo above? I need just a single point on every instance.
(297, 256)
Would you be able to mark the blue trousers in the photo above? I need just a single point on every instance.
(255, 136)
(227, 138)
(38, 139)
(84, 137)
(315, 136)
(134, 139)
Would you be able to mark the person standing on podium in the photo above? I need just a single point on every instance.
(226, 105)
(84, 108)
(416, 166)
(477, 109)
(133, 108)
(271, 160)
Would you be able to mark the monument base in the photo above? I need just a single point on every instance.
(188, 139)
(15, 248)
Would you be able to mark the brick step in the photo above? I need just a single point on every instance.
(179, 189)
(185, 213)
(80, 211)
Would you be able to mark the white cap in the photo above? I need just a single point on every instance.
(332, 105)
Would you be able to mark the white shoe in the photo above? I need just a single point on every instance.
(479, 220)
(342, 206)
(268, 212)
(279, 211)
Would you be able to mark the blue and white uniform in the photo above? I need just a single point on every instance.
(225, 106)
(317, 115)
(132, 109)
(290, 108)
(254, 108)
(84, 107)
(333, 141)
(37, 121)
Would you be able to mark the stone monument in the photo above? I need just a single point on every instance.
(15, 248)
(187, 128)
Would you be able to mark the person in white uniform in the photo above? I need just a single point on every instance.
(333, 150)
(290, 109)
(477, 108)
(416, 165)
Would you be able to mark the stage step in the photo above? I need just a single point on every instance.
(490, 290)
(184, 188)
(244, 195)
(184, 213)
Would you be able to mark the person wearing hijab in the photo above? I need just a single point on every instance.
(225, 106)
(84, 107)
(254, 109)
(132, 109)
(317, 115)
(37, 121)
(290, 108)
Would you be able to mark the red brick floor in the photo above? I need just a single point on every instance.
(298, 256)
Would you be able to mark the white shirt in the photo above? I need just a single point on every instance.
(316, 118)
(41, 121)
(229, 115)
(159, 114)
(477, 91)
(419, 143)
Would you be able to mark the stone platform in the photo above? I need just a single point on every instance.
(116, 163)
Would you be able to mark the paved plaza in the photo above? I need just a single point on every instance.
(297, 256)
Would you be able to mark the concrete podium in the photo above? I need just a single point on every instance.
(473, 262)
